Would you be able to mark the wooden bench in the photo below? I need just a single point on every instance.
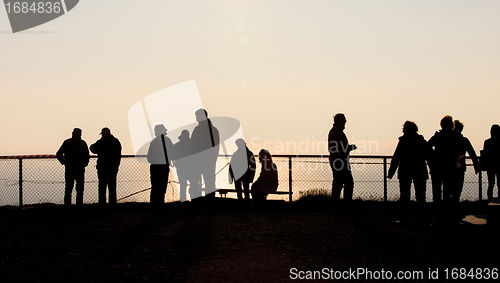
(223, 193)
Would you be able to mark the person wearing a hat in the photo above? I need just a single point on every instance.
(74, 155)
(109, 154)
(158, 157)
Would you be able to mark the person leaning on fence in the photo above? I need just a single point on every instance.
(410, 157)
(268, 178)
(463, 146)
(74, 155)
(158, 158)
(242, 169)
(339, 149)
(109, 154)
(490, 160)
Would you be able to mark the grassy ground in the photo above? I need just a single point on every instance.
(226, 241)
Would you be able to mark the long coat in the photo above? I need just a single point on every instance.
(245, 173)
(410, 156)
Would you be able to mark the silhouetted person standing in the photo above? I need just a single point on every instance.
(463, 146)
(268, 178)
(109, 154)
(410, 156)
(183, 162)
(74, 155)
(242, 169)
(205, 143)
(160, 162)
(491, 155)
(444, 163)
(339, 149)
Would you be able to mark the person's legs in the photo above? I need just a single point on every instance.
(420, 195)
(182, 185)
(449, 189)
(404, 198)
(194, 185)
(497, 173)
(102, 184)
(246, 188)
(112, 187)
(437, 181)
(165, 173)
(420, 190)
(348, 185)
(337, 182)
(449, 186)
(337, 185)
(404, 190)
(209, 179)
(68, 189)
(458, 187)
(80, 183)
(491, 183)
(259, 191)
(237, 186)
(156, 184)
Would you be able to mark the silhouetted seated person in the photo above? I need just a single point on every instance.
(109, 154)
(243, 167)
(444, 162)
(268, 178)
(158, 158)
(183, 162)
(339, 149)
(74, 155)
(490, 159)
(463, 146)
(410, 156)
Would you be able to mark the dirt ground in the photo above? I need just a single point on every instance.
(229, 241)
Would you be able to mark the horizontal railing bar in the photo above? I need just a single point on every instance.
(48, 156)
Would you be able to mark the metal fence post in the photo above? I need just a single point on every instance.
(20, 182)
(385, 178)
(290, 178)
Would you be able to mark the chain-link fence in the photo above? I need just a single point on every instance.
(313, 175)
(33, 180)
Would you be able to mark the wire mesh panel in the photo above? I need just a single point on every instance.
(315, 174)
(9, 182)
(310, 175)
(43, 180)
(133, 181)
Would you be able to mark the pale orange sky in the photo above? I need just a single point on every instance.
(282, 68)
